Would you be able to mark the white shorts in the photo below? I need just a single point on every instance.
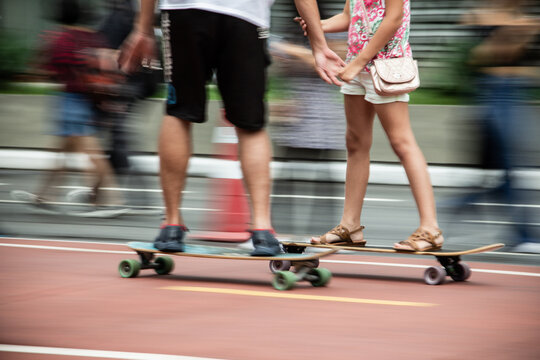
(363, 85)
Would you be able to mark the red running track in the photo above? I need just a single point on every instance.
(57, 298)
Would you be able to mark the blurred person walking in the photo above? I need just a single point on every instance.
(504, 67)
(307, 125)
(228, 37)
(390, 22)
(72, 61)
(114, 108)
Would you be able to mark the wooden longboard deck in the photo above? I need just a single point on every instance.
(221, 252)
(442, 252)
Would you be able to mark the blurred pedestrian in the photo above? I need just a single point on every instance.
(228, 37)
(114, 107)
(73, 61)
(390, 21)
(307, 124)
(505, 68)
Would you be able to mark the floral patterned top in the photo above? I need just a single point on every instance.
(359, 30)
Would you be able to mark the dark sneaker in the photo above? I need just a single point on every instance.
(265, 243)
(171, 239)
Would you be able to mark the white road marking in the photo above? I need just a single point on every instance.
(104, 354)
(316, 197)
(79, 204)
(506, 205)
(116, 189)
(488, 271)
(493, 222)
(61, 248)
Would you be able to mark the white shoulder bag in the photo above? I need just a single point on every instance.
(394, 76)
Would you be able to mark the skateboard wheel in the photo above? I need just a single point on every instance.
(322, 277)
(164, 265)
(434, 275)
(460, 272)
(279, 265)
(129, 268)
(284, 280)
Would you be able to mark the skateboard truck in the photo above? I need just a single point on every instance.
(162, 265)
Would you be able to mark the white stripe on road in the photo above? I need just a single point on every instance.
(104, 354)
(329, 198)
(61, 248)
(147, 207)
(115, 189)
(67, 241)
(488, 271)
(506, 205)
(493, 222)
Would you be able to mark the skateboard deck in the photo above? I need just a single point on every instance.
(305, 265)
(450, 260)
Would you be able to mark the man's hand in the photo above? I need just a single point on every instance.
(328, 65)
(138, 47)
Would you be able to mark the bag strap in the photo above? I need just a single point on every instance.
(370, 29)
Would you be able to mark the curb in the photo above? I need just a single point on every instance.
(327, 171)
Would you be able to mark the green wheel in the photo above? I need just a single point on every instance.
(129, 268)
(322, 276)
(165, 265)
(284, 280)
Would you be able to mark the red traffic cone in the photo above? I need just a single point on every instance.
(231, 221)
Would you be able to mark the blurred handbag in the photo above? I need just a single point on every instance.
(393, 76)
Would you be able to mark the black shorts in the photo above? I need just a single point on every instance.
(198, 43)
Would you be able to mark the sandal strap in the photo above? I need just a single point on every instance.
(342, 232)
(421, 235)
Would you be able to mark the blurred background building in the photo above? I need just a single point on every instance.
(438, 38)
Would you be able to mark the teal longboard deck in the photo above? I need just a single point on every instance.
(449, 259)
(227, 252)
(304, 265)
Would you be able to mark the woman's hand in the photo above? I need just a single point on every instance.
(349, 72)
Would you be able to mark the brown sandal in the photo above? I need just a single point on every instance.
(421, 235)
(344, 237)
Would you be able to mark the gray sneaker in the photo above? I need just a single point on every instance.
(265, 243)
(171, 239)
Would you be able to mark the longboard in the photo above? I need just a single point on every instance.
(305, 265)
(451, 264)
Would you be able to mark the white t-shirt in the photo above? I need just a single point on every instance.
(254, 11)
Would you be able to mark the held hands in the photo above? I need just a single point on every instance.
(138, 47)
(349, 72)
(327, 63)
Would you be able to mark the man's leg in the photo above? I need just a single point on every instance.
(174, 154)
(255, 154)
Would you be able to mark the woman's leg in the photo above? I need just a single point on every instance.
(395, 120)
(359, 137)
